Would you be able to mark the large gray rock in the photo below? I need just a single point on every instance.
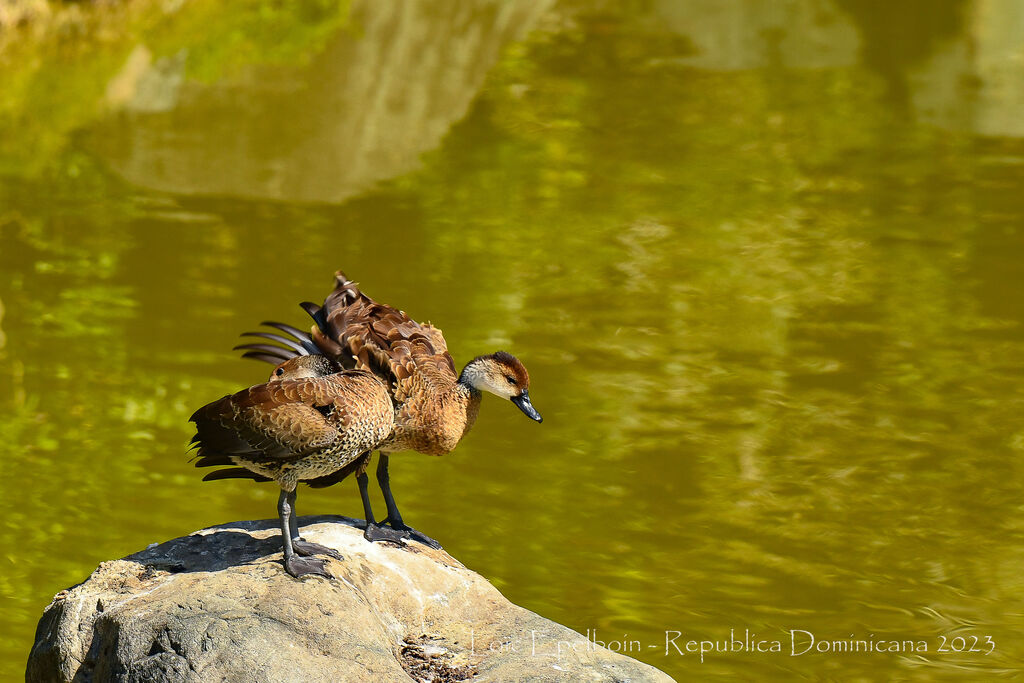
(217, 606)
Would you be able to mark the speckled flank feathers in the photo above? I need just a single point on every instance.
(298, 426)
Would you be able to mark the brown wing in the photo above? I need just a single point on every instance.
(363, 334)
(285, 419)
(260, 430)
(381, 339)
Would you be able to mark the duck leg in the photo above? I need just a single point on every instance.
(394, 516)
(293, 564)
(300, 546)
(374, 531)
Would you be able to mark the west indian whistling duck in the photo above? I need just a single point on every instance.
(435, 406)
(310, 420)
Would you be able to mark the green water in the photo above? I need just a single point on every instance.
(763, 261)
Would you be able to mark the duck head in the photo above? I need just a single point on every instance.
(305, 367)
(502, 374)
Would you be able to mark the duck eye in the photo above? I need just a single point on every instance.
(280, 371)
(511, 380)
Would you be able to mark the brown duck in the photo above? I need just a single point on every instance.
(310, 420)
(435, 406)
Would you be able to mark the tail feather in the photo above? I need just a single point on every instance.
(317, 314)
(234, 473)
(277, 351)
(299, 335)
(330, 334)
(215, 460)
(294, 342)
(299, 348)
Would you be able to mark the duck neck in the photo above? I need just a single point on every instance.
(468, 398)
(470, 379)
(465, 388)
(451, 418)
(468, 390)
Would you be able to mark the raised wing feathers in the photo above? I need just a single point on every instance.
(381, 339)
(363, 334)
(293, 342)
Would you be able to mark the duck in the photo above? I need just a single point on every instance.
(310, 419)
(435, 405)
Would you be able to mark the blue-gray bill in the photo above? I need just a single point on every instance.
(522, 402)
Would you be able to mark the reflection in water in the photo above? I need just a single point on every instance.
(771, 319)
(901, 35)
(382, 93)
(973, 82)
(747, 34)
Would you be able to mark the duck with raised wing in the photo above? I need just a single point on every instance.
(435, 406)
(310, 420)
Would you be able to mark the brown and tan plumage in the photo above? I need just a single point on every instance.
(435, 409)
(310, 420)
(435, 406)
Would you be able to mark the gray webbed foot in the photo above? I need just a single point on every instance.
(304, 566)
(379, 532)
(307, 548)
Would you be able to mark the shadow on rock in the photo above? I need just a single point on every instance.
(220, 547)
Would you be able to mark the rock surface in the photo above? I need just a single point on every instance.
(217, 606)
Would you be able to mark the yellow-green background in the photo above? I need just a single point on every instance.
(764, 261)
